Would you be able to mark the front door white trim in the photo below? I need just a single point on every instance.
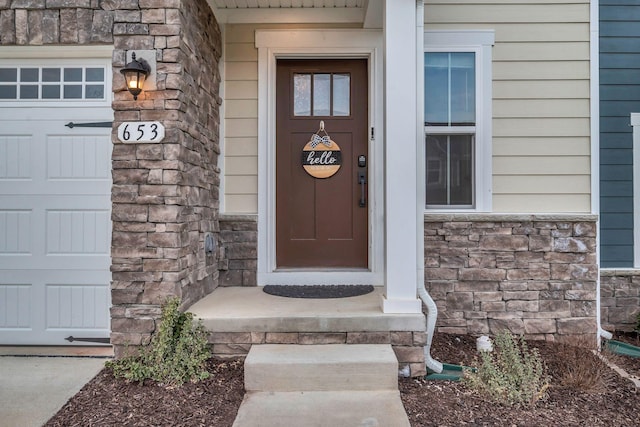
(275, 44)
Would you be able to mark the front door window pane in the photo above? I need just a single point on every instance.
(322, 94)
(341, 94)
(302, 94)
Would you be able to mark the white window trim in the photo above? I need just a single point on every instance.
(635, 123)
(275, 44)
(480, 42)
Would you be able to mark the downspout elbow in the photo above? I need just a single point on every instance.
(432, 315)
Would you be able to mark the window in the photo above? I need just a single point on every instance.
(52, 83)
(317, 94)
(457, 119)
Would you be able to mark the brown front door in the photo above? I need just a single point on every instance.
(322, 222)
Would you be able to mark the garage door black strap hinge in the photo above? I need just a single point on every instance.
(98, 340)
(72, 125)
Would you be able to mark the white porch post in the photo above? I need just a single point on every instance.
(400, 109)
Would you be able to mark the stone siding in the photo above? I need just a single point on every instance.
(619, 299)
(408, 346)
(47, 22)
(239, 240)
(165, 196)
(529, 274)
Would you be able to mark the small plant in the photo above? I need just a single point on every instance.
(177, 352)
(638, 323)
(511, 374)
(578, 368)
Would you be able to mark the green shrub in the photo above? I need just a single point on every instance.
(638, 323)
(177, 352)
(511, 374)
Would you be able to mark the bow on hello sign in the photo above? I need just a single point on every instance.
(316, 139)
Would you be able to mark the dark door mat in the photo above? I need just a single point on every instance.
(318, 291)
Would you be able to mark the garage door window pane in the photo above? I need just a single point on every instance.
(73, 74)
(51, 92)
(8, 74)
(95, 74)
(94, 92)
(29, 92)
(29, 74)
(7, 92)
(72, 92)
(51, 74)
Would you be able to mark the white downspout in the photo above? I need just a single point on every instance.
(432, 309)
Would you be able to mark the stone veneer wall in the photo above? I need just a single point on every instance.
(43, 22)
(619, 299)
(408, 346)
(529, 274)
(165, 195)
(239, 246)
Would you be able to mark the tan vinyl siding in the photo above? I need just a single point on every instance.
(241, 116)
(241, 120)
(541, 105)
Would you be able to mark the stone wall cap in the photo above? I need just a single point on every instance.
(492, 217)
(610, 272)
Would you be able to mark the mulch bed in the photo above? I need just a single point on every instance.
(630, 364)
(106, 401)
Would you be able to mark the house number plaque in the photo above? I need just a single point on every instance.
(321, 157)
(135, 132)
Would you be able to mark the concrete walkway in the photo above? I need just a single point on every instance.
(33, 389)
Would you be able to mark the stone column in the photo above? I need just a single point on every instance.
(165, 195)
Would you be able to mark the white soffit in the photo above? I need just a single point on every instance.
(290, 11)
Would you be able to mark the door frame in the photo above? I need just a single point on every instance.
(306, 44)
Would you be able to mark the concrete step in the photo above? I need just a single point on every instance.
(322, 409)
(331, 367)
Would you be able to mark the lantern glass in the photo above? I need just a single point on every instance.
(135, 74)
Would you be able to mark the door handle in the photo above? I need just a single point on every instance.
(362, 180)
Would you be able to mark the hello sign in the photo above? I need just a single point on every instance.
(321, 157)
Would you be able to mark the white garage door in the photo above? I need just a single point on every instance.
(55, 186)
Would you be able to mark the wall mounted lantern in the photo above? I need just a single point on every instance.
(135, 73)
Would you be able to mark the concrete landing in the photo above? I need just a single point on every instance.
(249, 309)
(322, 409)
